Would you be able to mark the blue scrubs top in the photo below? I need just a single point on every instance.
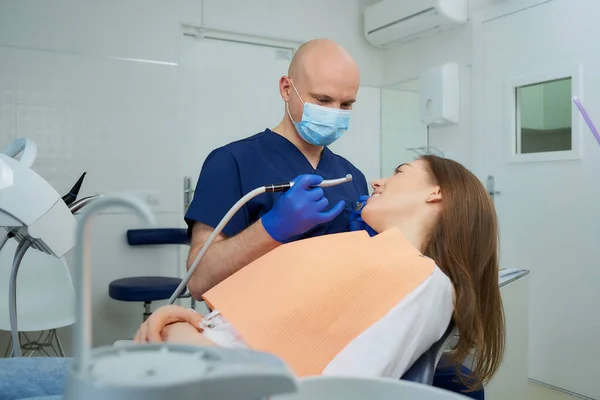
(232, 171)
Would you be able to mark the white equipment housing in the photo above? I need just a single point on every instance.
(439, 95)
(33, 210)
(393, 22)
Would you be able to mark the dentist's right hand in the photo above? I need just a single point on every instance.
(299, 209)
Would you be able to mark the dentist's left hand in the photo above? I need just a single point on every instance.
(356, 221)
(151, 330)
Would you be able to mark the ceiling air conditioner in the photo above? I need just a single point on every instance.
(392, 22)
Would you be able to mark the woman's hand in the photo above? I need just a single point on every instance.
(151, 330)
(184, 333)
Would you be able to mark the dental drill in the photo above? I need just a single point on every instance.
(282, 187)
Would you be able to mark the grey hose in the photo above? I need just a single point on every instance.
(12, 296)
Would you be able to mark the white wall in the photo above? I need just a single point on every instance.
(361, 144)
(340, 20)
(410, 60)
(69, 79)
(401, 128)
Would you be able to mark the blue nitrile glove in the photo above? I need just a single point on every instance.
(356, 221)
(299, 209)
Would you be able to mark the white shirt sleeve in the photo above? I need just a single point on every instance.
(390, 346)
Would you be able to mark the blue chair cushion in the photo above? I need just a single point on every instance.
(143, 288)
(140, 237)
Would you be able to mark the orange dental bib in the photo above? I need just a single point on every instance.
(306, 300)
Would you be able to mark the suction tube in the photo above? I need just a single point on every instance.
(12, 296)
(20, 253)
(282, 187)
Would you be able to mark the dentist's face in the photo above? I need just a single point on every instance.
(409, 192)
(323, 73)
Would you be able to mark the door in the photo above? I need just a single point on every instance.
(548, 195)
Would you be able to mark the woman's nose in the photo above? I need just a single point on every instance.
(376, 184)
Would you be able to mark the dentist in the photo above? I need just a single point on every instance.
(318, 94)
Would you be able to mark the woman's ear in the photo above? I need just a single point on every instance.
(435, 196)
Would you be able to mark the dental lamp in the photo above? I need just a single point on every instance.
(30, 208)
(34, 214)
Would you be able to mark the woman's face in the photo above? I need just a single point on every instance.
(409, 193)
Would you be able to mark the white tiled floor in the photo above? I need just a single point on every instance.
(539, 392)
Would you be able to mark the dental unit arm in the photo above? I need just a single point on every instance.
(159, 371)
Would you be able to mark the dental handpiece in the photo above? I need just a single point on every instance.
(282, 187)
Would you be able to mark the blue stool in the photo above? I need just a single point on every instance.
(147, 289)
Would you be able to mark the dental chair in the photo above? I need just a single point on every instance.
(147, 289)
(423, 370)
(434, 369)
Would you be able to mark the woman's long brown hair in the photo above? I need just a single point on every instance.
(464, 243)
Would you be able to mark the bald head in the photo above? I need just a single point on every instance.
(318, 54)
(323, 73)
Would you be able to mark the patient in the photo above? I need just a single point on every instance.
(432, 206)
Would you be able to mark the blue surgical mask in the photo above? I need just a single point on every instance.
(320, 126)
